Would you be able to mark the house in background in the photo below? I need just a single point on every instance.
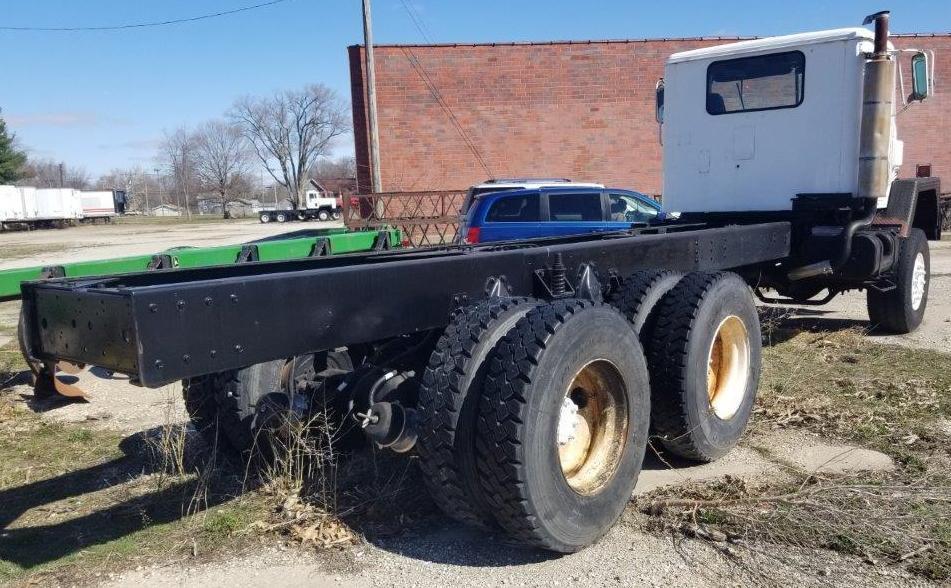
(241, 208)
(339, 186)
(165, 210)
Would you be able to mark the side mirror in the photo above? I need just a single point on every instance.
(920, 85)
(659, 101)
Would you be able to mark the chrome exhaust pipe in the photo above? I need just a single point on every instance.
(874, 139)
(877, 96)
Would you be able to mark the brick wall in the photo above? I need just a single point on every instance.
(583, 110)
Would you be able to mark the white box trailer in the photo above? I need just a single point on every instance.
(58, 204)
(98, 204)
(28, 202)
(11, 205)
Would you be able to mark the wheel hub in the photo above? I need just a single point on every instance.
(592, 426)
(919, 278)
(728, 367)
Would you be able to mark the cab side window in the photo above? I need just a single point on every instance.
(515, 209)
(584, 206)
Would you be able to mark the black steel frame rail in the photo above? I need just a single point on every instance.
(166, 325)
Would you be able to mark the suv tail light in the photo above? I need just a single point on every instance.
(472, 235)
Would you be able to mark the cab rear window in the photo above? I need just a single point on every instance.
(514, 209)
(762, 82)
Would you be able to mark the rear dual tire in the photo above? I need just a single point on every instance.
(563, 425)
(231, 409)
(448, 404)
(705, 353)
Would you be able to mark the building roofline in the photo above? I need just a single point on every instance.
(603, 41)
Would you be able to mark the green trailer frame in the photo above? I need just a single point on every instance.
(294, 245)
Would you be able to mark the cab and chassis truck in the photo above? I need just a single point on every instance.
(527, 376)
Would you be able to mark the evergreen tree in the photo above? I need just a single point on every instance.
(11, 159)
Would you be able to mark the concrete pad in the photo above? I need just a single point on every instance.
(816, 456)
(765, 456)
(742, 462)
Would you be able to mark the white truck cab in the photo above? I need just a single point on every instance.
(749, 125)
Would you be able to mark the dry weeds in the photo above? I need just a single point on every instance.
(841, 385)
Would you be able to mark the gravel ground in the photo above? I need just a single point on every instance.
(90, 242)
(849, 310)
(451, 556)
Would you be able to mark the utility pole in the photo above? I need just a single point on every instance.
(147, 207)
(61, 174)
(159, 184)
(188, 212)
(376, 184)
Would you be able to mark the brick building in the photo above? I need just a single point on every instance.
(583, 110)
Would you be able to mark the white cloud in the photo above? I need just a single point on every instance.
(62, 120)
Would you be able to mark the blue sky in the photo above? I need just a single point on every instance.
(102, 99)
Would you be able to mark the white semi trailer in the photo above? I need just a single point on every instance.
(26, 206)
(98, 205)
(11, 206)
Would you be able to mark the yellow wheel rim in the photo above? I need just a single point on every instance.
(728, 367)
(592, 426)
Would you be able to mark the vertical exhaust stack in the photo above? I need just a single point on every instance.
(877, 99)
(874, 140)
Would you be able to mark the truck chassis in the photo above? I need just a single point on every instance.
(160, 327)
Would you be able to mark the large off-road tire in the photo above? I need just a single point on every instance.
(902, 309)
(563, 424)
(637, 297)
(705, 365)
(448, 404)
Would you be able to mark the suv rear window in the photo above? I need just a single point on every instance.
(575, 207)
(763, 82)
(514, 209)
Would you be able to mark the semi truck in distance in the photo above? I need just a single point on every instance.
(527, 375)
(319, 206)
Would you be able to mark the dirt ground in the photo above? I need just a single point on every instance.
(446, 554)
(137, 237)
(935, 332)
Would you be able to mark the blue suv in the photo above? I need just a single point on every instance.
(554, 212)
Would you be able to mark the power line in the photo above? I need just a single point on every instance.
(417, 21)
(424, 75)
(142, 25)
(427, 79)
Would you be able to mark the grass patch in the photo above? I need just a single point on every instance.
(843, 385)
(78, 500)
(8, 252)
(840, 385)
(176, 220)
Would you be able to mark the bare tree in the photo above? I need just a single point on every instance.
(221, 159)
(46, 173)
(337, 175)
(143, 189)
(290, 130)
(178, 152)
